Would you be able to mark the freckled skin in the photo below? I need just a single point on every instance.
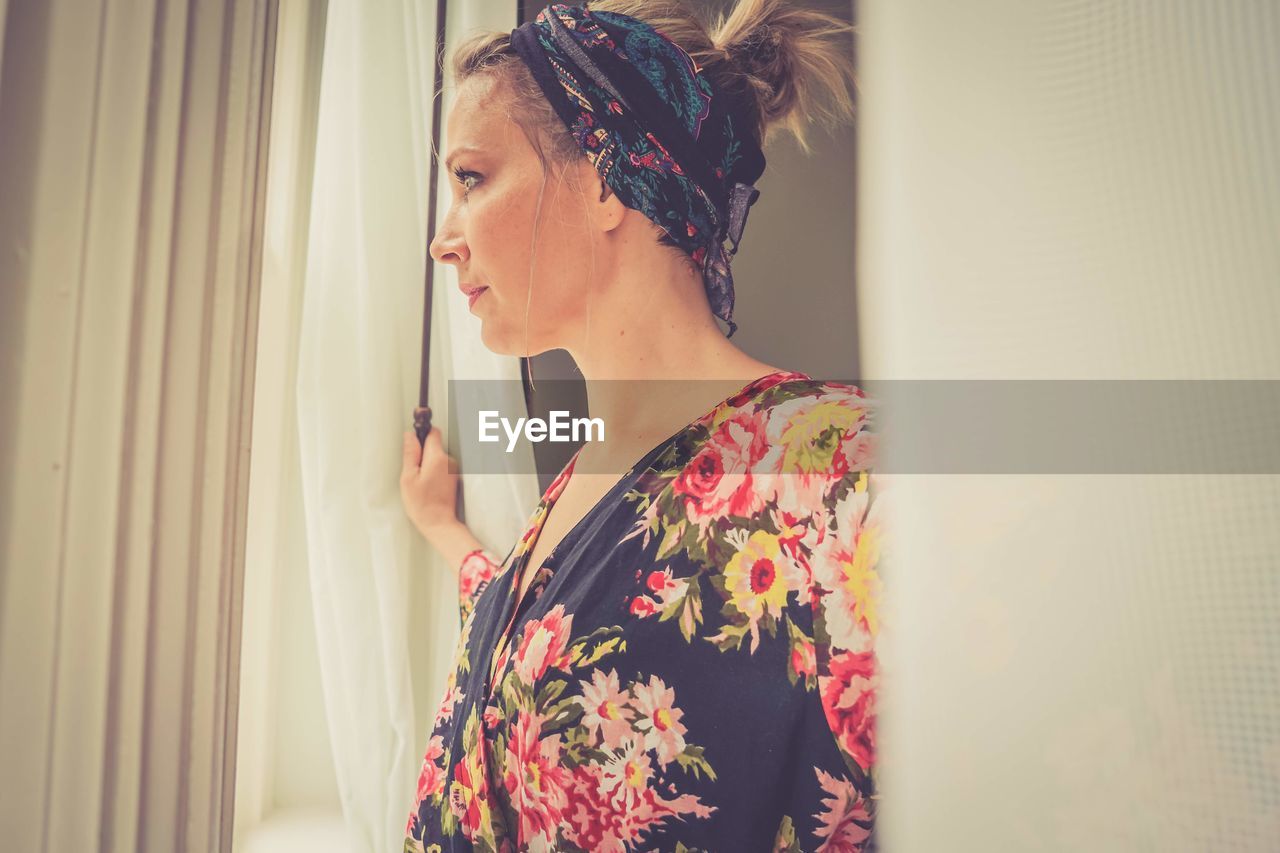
(488, 233)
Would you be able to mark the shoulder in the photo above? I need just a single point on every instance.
(816, 422)
(780, 444)
(798, 437)
(780, 454)
(792, 386)
(799, 412)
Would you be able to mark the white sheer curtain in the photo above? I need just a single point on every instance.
(358, 365)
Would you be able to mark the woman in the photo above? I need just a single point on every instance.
(680, 658)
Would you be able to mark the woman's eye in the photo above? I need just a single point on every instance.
(463, 176)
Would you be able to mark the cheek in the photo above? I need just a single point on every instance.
(499, 233)
(505, 248)
(491, 233)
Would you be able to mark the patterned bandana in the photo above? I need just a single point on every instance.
(646, 116)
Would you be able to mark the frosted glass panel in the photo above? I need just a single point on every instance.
(1083, 189)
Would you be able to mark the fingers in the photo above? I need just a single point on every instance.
(420, 460)
(412, 452)
(434, 447)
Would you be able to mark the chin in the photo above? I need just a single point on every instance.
(503, 335)
(501, 341)
(493, 342)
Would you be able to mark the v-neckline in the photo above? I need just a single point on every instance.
(520, 564)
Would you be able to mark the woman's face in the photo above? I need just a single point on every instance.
(488, 234)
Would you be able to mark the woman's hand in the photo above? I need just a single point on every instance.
(429, 485)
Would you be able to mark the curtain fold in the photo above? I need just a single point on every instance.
(358, 368)
(132, 156)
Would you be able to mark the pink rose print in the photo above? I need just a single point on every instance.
(475, 570)
(719, 480)
(664, 587)
(643, 605)
(803, 661)
(848, 699)
(430, 780)
(543, 645)
(452, 696)
(469, 796)
(613, 805)
(856, 452)
(535, 780)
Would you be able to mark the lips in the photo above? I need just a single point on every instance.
(472, 292)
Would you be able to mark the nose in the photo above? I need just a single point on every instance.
(448, 245)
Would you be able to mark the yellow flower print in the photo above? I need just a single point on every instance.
(753, 577)
(534, 525)
(469, 795)
(808, 442)
(861, 581)
(757, 580)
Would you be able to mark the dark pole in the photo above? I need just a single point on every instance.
(526, 361)
(422, 414)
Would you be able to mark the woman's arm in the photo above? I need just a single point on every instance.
(845, 611)
(429, 491)
(454, 541)
(474, 564)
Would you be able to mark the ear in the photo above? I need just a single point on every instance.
(613, 208)
(606, 209)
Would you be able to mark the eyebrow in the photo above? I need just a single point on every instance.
(448, 163)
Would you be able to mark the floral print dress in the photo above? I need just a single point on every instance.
(693, 668)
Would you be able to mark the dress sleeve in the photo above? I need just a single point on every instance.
(845, 599)
(477, 569)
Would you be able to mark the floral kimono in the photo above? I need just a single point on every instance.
(693, 668)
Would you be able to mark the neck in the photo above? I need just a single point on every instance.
(649, 352)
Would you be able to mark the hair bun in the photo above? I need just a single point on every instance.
(796, 64)
(757, 53)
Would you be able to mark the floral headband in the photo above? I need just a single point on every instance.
(649, 122)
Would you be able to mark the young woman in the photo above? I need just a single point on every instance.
(680, 658)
